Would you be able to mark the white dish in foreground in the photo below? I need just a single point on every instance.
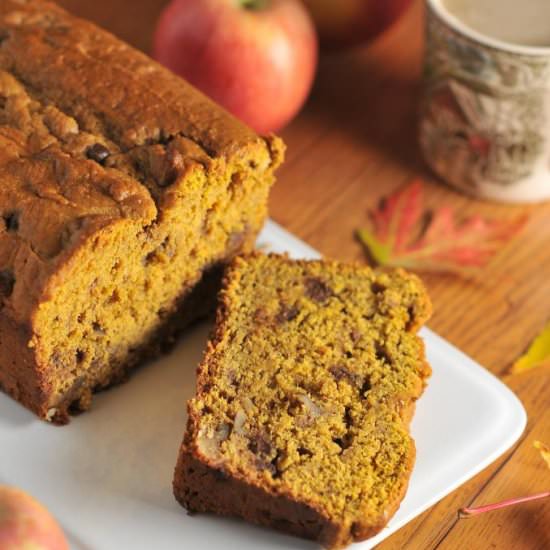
(107, 476)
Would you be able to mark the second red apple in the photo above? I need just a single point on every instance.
(345, 23)
(257, 58)
(25, 524)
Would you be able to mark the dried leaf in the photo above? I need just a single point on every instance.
(398, 238)
(537, 355)
(544, 451)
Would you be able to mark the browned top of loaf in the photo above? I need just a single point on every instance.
(91, 131)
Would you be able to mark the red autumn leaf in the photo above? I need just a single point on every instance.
(399, 238)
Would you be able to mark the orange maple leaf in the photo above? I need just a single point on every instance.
(398, 238)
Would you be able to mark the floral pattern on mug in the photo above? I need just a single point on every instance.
(483, 109)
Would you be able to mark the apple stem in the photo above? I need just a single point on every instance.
(253, 5)
(470, 512)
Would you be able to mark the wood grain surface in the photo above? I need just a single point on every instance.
(354, 143)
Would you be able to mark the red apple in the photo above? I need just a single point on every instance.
(344, 23)
(26, 524)
(257, 58)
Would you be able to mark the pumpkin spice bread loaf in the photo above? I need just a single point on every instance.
(304, 396)
(122, 191)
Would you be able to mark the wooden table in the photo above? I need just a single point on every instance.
(355, 142)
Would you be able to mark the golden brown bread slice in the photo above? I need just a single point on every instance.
(120, 186)
(304, 396)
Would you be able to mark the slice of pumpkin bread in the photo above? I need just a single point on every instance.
(304, 396)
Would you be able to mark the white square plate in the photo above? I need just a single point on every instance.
(107, 476)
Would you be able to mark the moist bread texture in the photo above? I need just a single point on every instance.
(121, 186)
(304, 396)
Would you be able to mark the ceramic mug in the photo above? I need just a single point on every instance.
(485, 111)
